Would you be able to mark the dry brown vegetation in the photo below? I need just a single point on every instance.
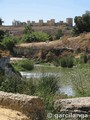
(79, 43)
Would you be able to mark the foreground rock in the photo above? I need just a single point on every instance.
(31, 106)
(78, 106)
(8, 114)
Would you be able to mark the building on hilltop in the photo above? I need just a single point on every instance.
(69, 22)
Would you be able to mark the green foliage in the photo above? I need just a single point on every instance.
(83, 58)
(67, 61)
(29, 86)
(36, 37)
(1, 21)
(9, 43)
(82, 24)
(24, 65)
(2, 33)
(88, 57)
(81, 80)
(46, 89)
(31, 36)
(2, 46)
(41, 36)
(58, 34)
(28, 29)
(11, 85)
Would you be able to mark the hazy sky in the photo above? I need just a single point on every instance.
(24, 10)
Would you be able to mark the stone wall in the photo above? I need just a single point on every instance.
(31, 106)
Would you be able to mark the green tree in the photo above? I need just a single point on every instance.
(2, 33)
(58, 34)
(9, 43)
(1, 21)
(28, 29)
(82, 24)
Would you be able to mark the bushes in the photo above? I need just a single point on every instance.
(36, 37)
(24, 65)
(58, 34)
(9, 43)
(83, 58)
(67, 61)
(46, 89)
(11, 84)
(81, 80)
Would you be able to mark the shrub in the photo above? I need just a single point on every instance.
(11, 84)
(24, 65)
(83, 58)
(67, 61)
(58, 34)
(2, 46)
(2, 33)
(46, 88)
(41, 36)
(36, 37)
(9, 43)
(29, 86)
(28, 29)
(81, 80)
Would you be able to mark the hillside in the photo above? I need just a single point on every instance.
(79, 43)
(18, 30)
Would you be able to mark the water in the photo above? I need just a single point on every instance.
(67, 89)
(37, 75)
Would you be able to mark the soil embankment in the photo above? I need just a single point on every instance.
(16, 105)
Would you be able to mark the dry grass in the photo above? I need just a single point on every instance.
(80, 42)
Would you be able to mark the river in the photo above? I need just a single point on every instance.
(40, 70)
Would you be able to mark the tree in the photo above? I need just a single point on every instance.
(28, 29)
(58, 34)
(1, 21)
(2, 33)
(9, 43)
(82, 24)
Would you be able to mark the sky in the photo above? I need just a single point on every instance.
(34, 10)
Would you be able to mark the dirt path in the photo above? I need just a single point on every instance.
(8, 114)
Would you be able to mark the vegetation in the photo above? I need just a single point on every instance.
(2, 33)
(7, 42)
(35, 37)
(46, 89)
(82, 24)
(28, 29)
(32, 36)
(81, 80)
(67, 61)
(58, 34)
(1, 21)
(24, 65)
